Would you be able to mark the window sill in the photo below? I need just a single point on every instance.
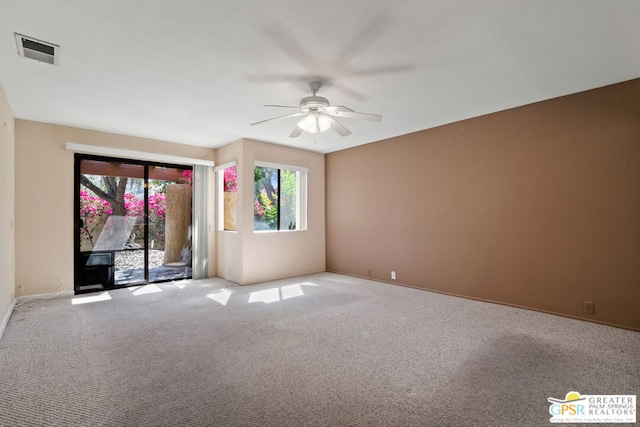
(276, 231)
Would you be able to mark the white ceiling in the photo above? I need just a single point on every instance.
(198, 72)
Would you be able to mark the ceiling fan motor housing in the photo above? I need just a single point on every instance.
(313, 103)
(318, 115)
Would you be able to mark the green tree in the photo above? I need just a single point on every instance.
(287, 199)
(113, 191)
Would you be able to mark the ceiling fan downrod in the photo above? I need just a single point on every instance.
(315, 87)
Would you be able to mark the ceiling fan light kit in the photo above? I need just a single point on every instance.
(315, 122)
(319, 115)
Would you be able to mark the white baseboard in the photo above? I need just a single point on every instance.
(6, 318)
(20, 300)
(43, 296)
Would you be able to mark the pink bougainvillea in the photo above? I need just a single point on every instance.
(94, 212)
(231, 179)
(134, 206)
(157, 204)
(92, 205)
(187, 177)
(259, 209)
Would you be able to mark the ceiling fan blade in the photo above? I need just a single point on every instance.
(297, 131)
(343, 131)
(281, 106)
(335, 108)
(278, 118)
(382, 70)
(350, 92)
(354, 115)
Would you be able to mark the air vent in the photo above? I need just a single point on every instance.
(37, 49)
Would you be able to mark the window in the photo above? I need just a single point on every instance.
(133, 222)
(279, 197)
(228, 196)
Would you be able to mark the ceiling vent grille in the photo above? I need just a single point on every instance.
(37, 49)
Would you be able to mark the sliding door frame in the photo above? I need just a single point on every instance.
(78, 158)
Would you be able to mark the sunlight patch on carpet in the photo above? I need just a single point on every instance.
(147, 289)
(93, 298)
(268, 296)
(220, 296)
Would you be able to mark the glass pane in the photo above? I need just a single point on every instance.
(111, 223)
(265, 198)
(288, 199)
(230, 180)
(170, 199)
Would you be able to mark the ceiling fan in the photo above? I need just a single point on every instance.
(319, 115)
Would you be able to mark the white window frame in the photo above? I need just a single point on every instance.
(219, 170)
(301, 195)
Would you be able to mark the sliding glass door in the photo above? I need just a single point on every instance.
(132, 223)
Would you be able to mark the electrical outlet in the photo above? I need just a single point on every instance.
(588, 307)
(393, 275)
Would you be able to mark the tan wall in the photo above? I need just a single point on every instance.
(275, 255)
(211, 206)
(7, 205)
(245, 256)
(537, 206)
(229, 243)
(44, 184)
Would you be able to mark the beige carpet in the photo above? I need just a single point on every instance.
(319, 350)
